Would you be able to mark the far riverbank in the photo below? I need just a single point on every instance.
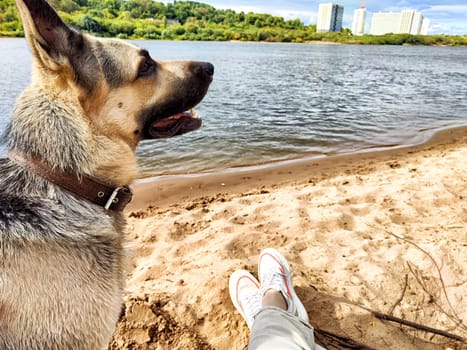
(316, 38)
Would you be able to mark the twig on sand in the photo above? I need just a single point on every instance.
(402, 295)
(339, 341)
(390, 318)
(335, 340)
(453, 314)
(332, 339)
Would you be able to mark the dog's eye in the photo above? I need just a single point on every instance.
(146, 67)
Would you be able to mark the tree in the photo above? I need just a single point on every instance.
(89, 24)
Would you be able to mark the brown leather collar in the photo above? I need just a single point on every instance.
(111, 198)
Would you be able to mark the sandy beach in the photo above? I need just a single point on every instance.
(382, 231)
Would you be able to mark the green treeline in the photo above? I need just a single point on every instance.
(188, 20)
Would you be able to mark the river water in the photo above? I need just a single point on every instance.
(271, 102)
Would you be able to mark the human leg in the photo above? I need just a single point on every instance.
(276, 329)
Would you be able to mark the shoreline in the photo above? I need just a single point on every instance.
(420, 138)
(163, 190)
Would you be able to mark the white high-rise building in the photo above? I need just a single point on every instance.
(385, 22)
(359, 20)
(417, 23)
(425, 26)
(406, 21)
(330, 18)
(324, 17)
(411, 22)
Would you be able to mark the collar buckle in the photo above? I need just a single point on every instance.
(114, 197)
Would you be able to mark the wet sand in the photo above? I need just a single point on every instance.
(382, 230)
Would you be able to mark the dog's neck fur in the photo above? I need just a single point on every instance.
(80, 151)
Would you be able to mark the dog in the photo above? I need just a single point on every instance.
(64, 183)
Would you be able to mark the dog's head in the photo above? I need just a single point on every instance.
(125, 95)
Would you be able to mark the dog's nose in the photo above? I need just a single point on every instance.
(208, 68)
(204, 69)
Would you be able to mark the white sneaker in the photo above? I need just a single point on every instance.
(274, 273)
(244, 292)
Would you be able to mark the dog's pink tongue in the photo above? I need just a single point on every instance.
(175, 125)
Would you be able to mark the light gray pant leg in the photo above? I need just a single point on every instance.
(275, 329)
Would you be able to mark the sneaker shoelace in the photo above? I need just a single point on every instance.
(276, 280)
(251, 304)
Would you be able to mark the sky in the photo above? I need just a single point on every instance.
(446, 17)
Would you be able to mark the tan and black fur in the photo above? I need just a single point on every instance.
(90, 101)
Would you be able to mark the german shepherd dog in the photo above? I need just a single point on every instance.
(70, 158)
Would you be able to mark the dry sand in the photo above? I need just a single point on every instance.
(384, 231)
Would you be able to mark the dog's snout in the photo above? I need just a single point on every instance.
(204, 69)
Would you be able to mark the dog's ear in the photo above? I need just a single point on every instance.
(49, 37)
(54, 45)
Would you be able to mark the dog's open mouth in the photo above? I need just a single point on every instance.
(174, 125)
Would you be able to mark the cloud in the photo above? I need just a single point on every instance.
(306, 17)
(456, 9)
(447, 19)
